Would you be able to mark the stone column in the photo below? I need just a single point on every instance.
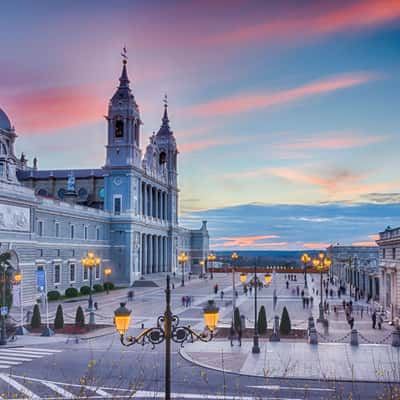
(155, 253)
(156, 203)
(149, 254)
(144, 254)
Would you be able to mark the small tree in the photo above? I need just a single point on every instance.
(59, 319)
(262, 321)
(236, 320)
(80, 317)
(6, 272)
(36, 320)
(285, 326)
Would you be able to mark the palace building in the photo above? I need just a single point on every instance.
(126, 211)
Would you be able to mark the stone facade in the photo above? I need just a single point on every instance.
(125, 212)
(389, 270)
(356, 268)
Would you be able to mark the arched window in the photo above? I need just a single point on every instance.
(119, 128)
(163, 157)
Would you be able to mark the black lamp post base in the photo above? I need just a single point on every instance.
(256, 348)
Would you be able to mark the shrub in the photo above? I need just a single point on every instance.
(59, 319)
(85, 290)
(262, 321)
(98, 288)
(108, 285)
(53, 295)
(236, 320)
(71, 292)
(79, 317)
(36, 320)
(285, 326)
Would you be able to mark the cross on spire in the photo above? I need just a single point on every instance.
(124, 55)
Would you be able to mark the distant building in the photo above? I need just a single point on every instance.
(356, 267)
(126, 212)
(389, 269)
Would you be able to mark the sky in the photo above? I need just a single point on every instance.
(286, 114)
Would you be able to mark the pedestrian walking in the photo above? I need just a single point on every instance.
(362, 311)
(297, 290)
(312, 300)
(380, 321)
(351, 322)
(183, 301)
(231, 334)
(373, 317)
(222, 294)
(96, 306)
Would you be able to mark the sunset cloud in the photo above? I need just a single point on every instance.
(255, 101)
(247, 241)
(46, 110)
(316, 246)
(366, 243)
(312, 23)
(207, 143)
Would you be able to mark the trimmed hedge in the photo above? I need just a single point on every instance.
(109, 285)
(36, 320)
(85, 289)
(285, 326)
(53, 295)
(59, 319)
(98, 288)
(79, 317)
(71, 292)
(262, 321)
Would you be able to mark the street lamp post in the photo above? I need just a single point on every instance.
(107, 273)
(182, 258)
(167, 329)
(305, 259)
(322, 263)
(211, 258)
(18, 281)
(90, 262)
(202, 263)
(234, 258)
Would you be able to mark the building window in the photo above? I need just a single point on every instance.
(117, 205)
(97, 233)
(383, 253)
(72, 231)
(97, 272)
(57, 274)
(57, 229)
(394, 253)
(119, 128)
(85, 232)
(85, 274)
(72, 273)
(40, 228)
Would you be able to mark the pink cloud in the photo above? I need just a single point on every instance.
(375, 236)
(255, 101)
(248, 241)
(312, 23)
(56, 108)
(339, 140)
(366, 243)
(207, 143)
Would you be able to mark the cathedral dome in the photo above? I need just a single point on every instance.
(4, 121)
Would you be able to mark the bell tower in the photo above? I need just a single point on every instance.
(123, 144)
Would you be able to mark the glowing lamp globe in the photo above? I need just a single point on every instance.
(315, 262)
(327, 262)
(122, 318)
(107, 271)
(243, 277)
(18, 277)
(211, 315)
(305, 258)
(267, 278)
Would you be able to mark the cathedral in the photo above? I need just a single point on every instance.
(126, 211)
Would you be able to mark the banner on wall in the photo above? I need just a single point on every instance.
(41, 280)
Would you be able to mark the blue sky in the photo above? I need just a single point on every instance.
(272, 103)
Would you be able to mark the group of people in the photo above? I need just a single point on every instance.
(187, 301)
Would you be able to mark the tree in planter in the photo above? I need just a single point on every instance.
(285, 326)
(6, 279)
(59, 319)
(80, 317)
(236, 320)
(262, 321)
(36, 320)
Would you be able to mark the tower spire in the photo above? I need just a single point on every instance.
(124, 80)
(165, 120)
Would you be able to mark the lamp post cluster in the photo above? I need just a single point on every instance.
(267, 278)
(89, 262)
(182, 259)
(322, 264)
(167, 329)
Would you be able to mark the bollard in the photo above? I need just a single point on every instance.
(396, 337)
(313, 338)
(354, 337)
